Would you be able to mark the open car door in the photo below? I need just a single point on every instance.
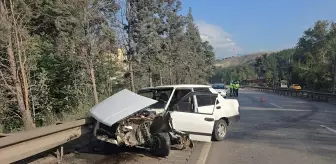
(185, 117)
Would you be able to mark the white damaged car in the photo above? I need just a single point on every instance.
(158, 117)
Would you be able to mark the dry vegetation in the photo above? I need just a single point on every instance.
(238, 60)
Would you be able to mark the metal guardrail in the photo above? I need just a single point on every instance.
(18, 146)
(309, 95)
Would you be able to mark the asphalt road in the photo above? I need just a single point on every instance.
(282, 130)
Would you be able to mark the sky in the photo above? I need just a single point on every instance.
(246, 26)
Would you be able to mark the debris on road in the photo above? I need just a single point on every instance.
(262, 99)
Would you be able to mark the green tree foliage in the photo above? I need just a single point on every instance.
(58, 57)
(314, 56)
(166, 47)
(240, 73)
(312, 63)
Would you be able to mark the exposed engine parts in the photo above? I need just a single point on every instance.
(134, 131)
(145, 129)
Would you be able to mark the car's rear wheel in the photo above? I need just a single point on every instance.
(161, 144)
(220, 130)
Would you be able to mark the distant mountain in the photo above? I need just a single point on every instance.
(238, 60)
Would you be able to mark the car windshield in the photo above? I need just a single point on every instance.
(218, 86)
(161, 95)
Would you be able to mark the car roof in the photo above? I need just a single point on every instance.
(179, 86)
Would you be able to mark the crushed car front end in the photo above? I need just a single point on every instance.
(124, 119)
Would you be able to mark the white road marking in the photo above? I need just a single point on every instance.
(332, 130)
(274, 109)
(275, 105)
(204, 153)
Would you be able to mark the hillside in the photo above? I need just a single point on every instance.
(238, 60)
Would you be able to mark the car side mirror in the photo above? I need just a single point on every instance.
(217, 102)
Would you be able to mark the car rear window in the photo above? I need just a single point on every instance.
(205, 90)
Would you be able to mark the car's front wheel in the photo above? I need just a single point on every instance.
(219, 131)
(161, 144)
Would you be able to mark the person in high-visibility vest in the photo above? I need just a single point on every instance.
(236, 88)
(231, 88)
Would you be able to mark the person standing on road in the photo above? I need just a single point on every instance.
(236, 88)
(231, 88)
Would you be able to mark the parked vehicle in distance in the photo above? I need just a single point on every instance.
(220, 88)
(283, 86)
(158, 117)
(295, 86)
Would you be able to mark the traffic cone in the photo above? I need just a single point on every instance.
(262, 99)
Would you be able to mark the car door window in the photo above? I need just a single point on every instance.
(178, 95)
(186, 105)
(206, 103)
(205, 100)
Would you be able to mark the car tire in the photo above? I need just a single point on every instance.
(161, 144)
(220, 130)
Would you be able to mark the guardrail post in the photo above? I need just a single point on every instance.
(59, 154)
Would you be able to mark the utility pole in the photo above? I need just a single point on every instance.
(160, 77)
(289, 70)
(334, 65)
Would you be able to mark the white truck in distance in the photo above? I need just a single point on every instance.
(157, 117)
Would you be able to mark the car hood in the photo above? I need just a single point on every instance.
(119, 106)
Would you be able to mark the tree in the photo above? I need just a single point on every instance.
(59, 58)
(209, 59)
(260, 65)
(331, 52)
(193, 55)
(311, 57)
(172, 25)
(14, 14)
